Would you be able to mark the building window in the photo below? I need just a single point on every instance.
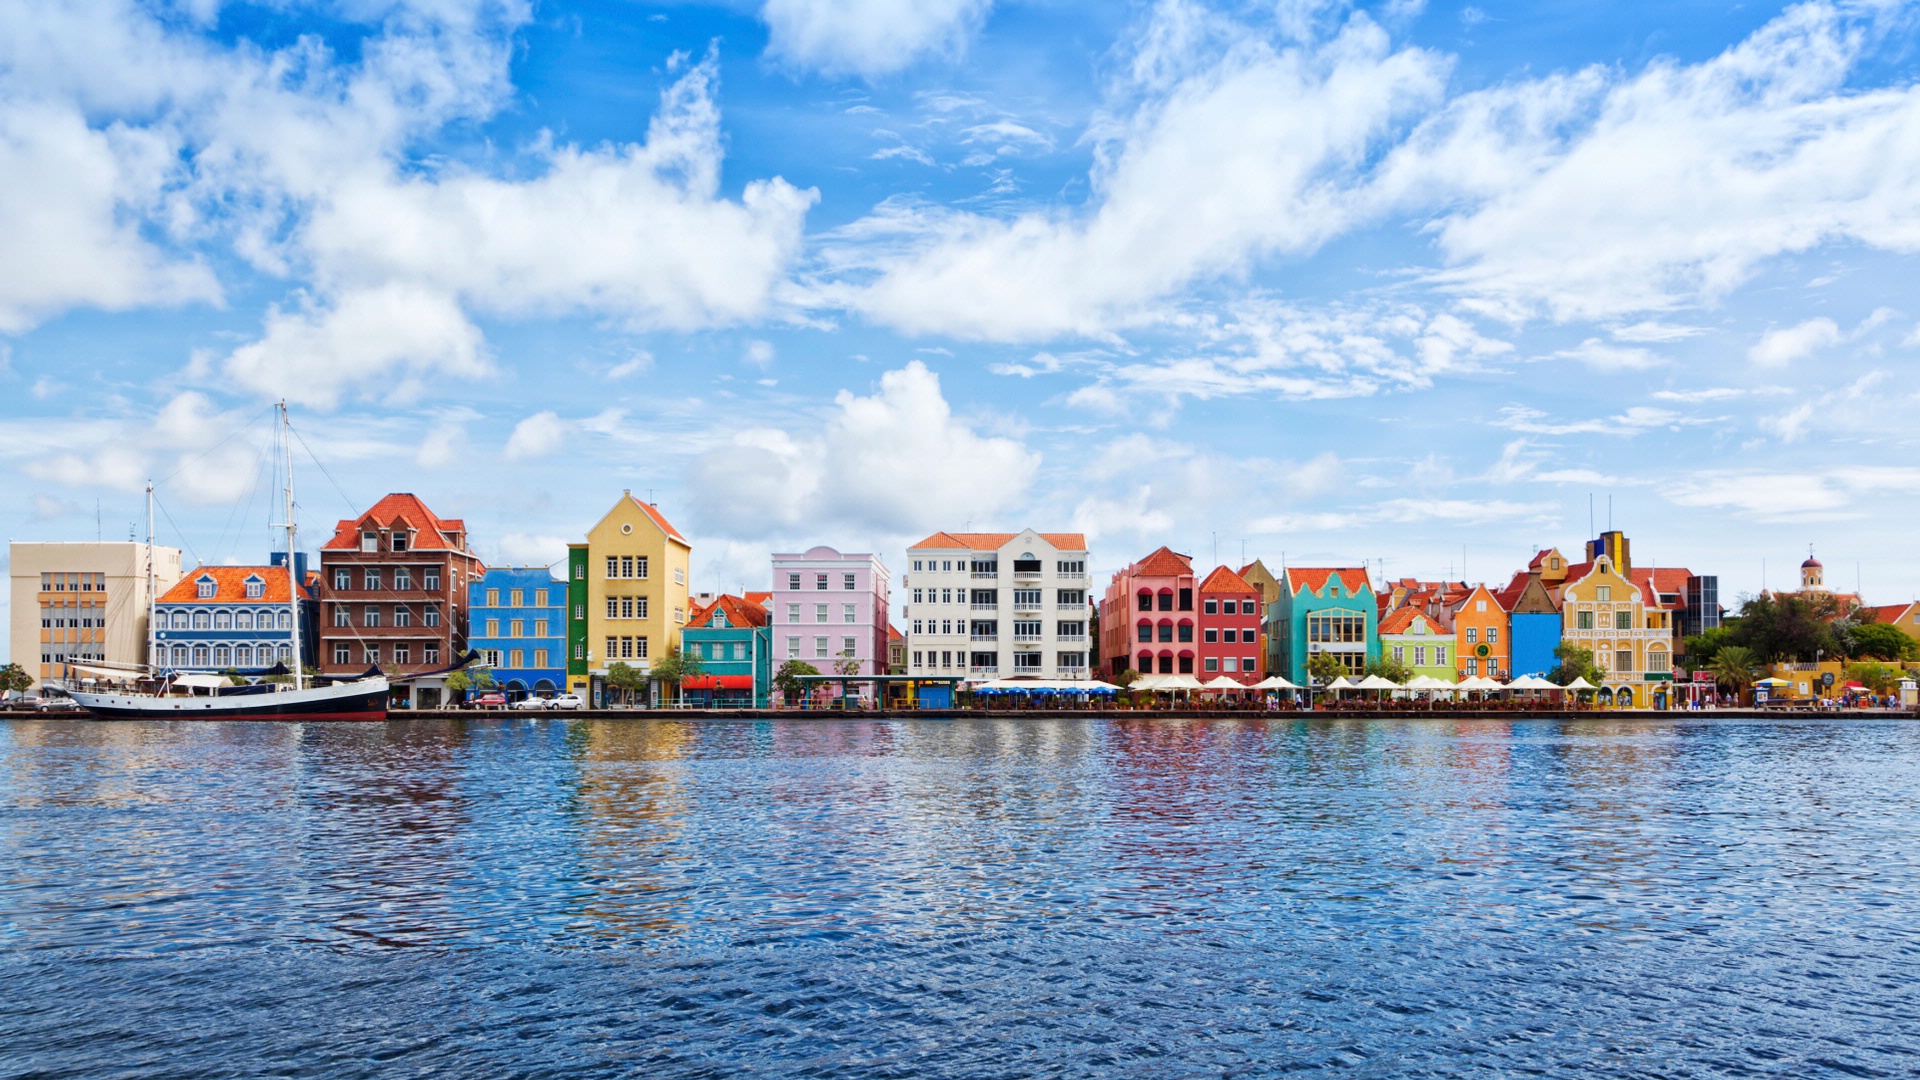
(256, 588)
(1656, 660)
(402, 652)
(1186, 632)
(516, 658)
(640, 568)
(820, 648)
(430, 581)
(372, 580)
(373, 654)
(580, 611)
(1419, 655)
(1212, 664)
(222, 620)
(1583, 620)
(1440, 655)
(1473, 666)
(1603, 593)
(639, 607)
(613, 607)
(1473, 634)
(399, 540)
(516, 628)
(579, 651)
(1400, 653)
(1070, 568)
(516, 598)
(430, 653)
(849, 646)
(372, 616)
(1623, 620)
(580, 572)
(369, 542)
(739, 650)
(1210, 636)
(343, 579)
(613, 566)
(340, 616)
(402, 579)
(848, 613)
(793, 613)
(539, 658)
(820, 582)
(819, 613)
(793, 648)
(1210, 607)
(402, 615)
(793, 582)
(640, 647)
(490, 658)
(846, 582)
(613, 648)
(539, 628)
(1493, 635)
(539, 598)
(493, 627)
(1622, 661)
(342, 653)
(432, 616)
(1336, 628)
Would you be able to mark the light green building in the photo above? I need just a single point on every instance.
(1412, 637)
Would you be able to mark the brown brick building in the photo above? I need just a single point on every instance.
(393, 592)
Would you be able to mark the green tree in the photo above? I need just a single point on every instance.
(627, 679)
(787, 679)
(1389, 669)
(1575, 663)
(1126, 678)
(1697, 652)
(1324, 668)
(1787, 627)
(1879, 678)
(1878, 641)
(14, 679)
(1733, 667)
(677, 667)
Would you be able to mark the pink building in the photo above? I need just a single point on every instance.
(1148, 620)
(829, 607)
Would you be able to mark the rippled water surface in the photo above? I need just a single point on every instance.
(960, 899)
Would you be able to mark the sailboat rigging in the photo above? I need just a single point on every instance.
(358, 699)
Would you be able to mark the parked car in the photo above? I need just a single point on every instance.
(566, 701)
(55, 704)
(491, 700)
(532, 703)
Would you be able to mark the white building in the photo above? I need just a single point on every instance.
(81, 603)
(998, 605)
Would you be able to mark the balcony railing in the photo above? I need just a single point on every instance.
(984, 637)
(985, 607)
(1027, 637)
(985, 575)
(1070, 637)
(1027, 605)
(990, 669)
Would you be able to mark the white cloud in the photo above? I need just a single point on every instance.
(538, 435)
(319, 355)
(759, 354)
(898, 461)
(1601, 356)
(1840, 493)
(1654, 332)
(1406, 511)
(528, 549)
(870, 38)
(118, 468)
(639, 362)
(1778, 348)
(1635, 420)
(441, 447)
(1234, 159)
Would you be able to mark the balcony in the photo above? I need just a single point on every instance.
(1028, 605)
(1027, 639)
(984, 637)
(1028, 669)
(985, 575)
(983, 607)
(989, 670)
(1070, 638)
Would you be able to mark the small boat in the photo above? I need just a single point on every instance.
(173, 697)
(362, 699)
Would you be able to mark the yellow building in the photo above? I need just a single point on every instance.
(636, 573)
(1603, 611)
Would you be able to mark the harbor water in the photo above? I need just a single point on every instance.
(960, 898)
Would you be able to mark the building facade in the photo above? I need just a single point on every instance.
(1231, 642)
(831, 610)
(77, 603)
(1604, 611)
(636, 565)
(1535, 621)
(393, 595)
(235, 618)
(995, 605)
(518, 623)
(734, 644)
(1481, 640)
(1328, 610)
(1416, 639)
(1149, 618)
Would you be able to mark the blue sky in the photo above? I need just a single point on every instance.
(1408, 283)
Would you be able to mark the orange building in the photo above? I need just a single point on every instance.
(1482, 644)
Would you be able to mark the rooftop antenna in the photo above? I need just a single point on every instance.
(1590, 531)
(1216, 548)
(1243, 551)
(1609, 513)
(96, 521)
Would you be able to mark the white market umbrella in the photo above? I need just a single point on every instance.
(1580, 683)
(1531, 682)
(1170, 683)
(1376, 682)
(1223, 683)
(1340, 683)
(1479, 682)
(1146, 682)
(1274, 682)
(1428, 682)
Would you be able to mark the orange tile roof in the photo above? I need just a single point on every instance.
(894, 634)
(402, 507)
(1510, 594)
(758, 599)
(995, 541)
(1889, 613)
(1314, 578)
(1225, 580)
(659, 519)
(1401, 621)
(1164, 562)
(738, 611)
(230, 585)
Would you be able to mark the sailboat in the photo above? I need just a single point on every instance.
(172, 697)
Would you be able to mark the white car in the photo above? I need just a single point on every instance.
(566, 701)
(530, 703)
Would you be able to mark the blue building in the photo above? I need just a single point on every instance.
(518, 622)
(735, 647)
(234, 618)
(1535, 624)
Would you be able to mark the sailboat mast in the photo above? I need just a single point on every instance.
(293, 575)
(153, 664)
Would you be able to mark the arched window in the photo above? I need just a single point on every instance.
(179, 655)
(1166, 663)
(1186, 630)
(1145, 664)
(202, 621)
(1186, 663)
(1166, 630)
(1166, 599)
(1146, 600)
(1146, 631)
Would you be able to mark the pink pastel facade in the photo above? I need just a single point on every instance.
(830, 606)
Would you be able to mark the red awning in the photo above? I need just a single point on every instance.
(719, 682)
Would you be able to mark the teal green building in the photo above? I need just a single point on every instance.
(1330, 610)
(735, 646)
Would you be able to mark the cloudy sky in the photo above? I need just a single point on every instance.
(1316, 281)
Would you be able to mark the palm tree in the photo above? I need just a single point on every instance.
(1733, 667)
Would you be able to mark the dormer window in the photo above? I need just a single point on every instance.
(256, 588)
(205, 588)
(369, 541)
(399, 540)
(719, 620)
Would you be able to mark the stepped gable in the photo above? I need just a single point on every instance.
(230, 586)
(1225, 580)
(1353, 579)
(995, 541)
(430, 531)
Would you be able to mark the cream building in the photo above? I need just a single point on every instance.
(637, 566)
(77, 603)
(994, 605)
(1603, 611)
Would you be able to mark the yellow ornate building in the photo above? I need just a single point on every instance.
(1603, 611)
(637, 565)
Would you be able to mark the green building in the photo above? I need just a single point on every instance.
(1417, 640)
(1322, 610)
(577, 619)
(735, 647)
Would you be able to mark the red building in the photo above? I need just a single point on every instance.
(1149, 621)
(1231, 643)
(393, 593)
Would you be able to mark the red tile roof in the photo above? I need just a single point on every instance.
(230, 585)
(1889, 613)
(994, 541)
(659, 519)
(1655, 581)
(1353, 579)
(1401, 621)
(738, 611)
(894, 634)
(431, 532)
(1510, 594)
(1164, 562)
(1223, 580)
